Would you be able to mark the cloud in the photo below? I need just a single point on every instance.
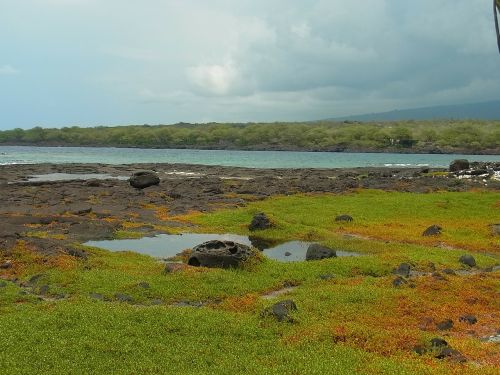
(217, 79)
(8, 70)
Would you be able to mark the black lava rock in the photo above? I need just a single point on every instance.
(316, 252)
(281, 311)
(445, 325)
(469, 319)
(433, 230)
(403, 269)
(467, 260)
(347, 218)
(220, 254)
(459, 165)
(260, 222)
(144, 179)
(399, 282)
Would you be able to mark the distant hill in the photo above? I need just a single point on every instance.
(476, 111)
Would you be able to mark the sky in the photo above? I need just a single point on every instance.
(119, 62)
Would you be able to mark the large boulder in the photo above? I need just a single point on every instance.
(260, 222)
(144, 179)
(220, 254)
(316, 252)
(459, 165)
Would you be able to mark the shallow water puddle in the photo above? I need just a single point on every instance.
(73, 176)
(169, 245)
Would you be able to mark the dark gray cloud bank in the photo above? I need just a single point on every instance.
(91, 62)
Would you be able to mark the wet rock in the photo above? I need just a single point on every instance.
(399, 282)
(459, 165)
(317, 252)
(445, 325)
(281, 311)
(260, 222)
(467, 260)
(403, 269)
(143, 285)
(433, 230)
(469, 319)
(123, 297)
(287, 253)
(346, 218)
(220, 254)
(144, 179)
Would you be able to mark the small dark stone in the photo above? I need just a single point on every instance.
(420, 349)
(317, 252)
(93, 183)
(143, 285)
(445, 325)
(144, 179)
(34, 279)
(438, 276)
(44, 289)
(468, 260)
(398, 282)
(451, 354)
(459, 165)
(6, 265)
(260, 222)
(347, 218)
(438, 342)
(77, 253)
(328, 276)
(287, 254)
(433, 230)
(469, 319)
(449, 271)
(403, 269)
(123, 297)
(281, 311)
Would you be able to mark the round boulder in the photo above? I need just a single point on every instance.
(144, 179)
(467, 260)
(260, 222)
(220, 254)
(459, 165)
(316, 252)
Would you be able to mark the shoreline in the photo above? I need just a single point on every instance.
(354, 150)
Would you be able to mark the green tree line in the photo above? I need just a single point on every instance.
(405, 136)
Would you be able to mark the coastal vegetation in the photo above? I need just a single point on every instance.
(119, 312)
(450, 136)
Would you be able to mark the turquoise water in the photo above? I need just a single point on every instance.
(253, 159)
